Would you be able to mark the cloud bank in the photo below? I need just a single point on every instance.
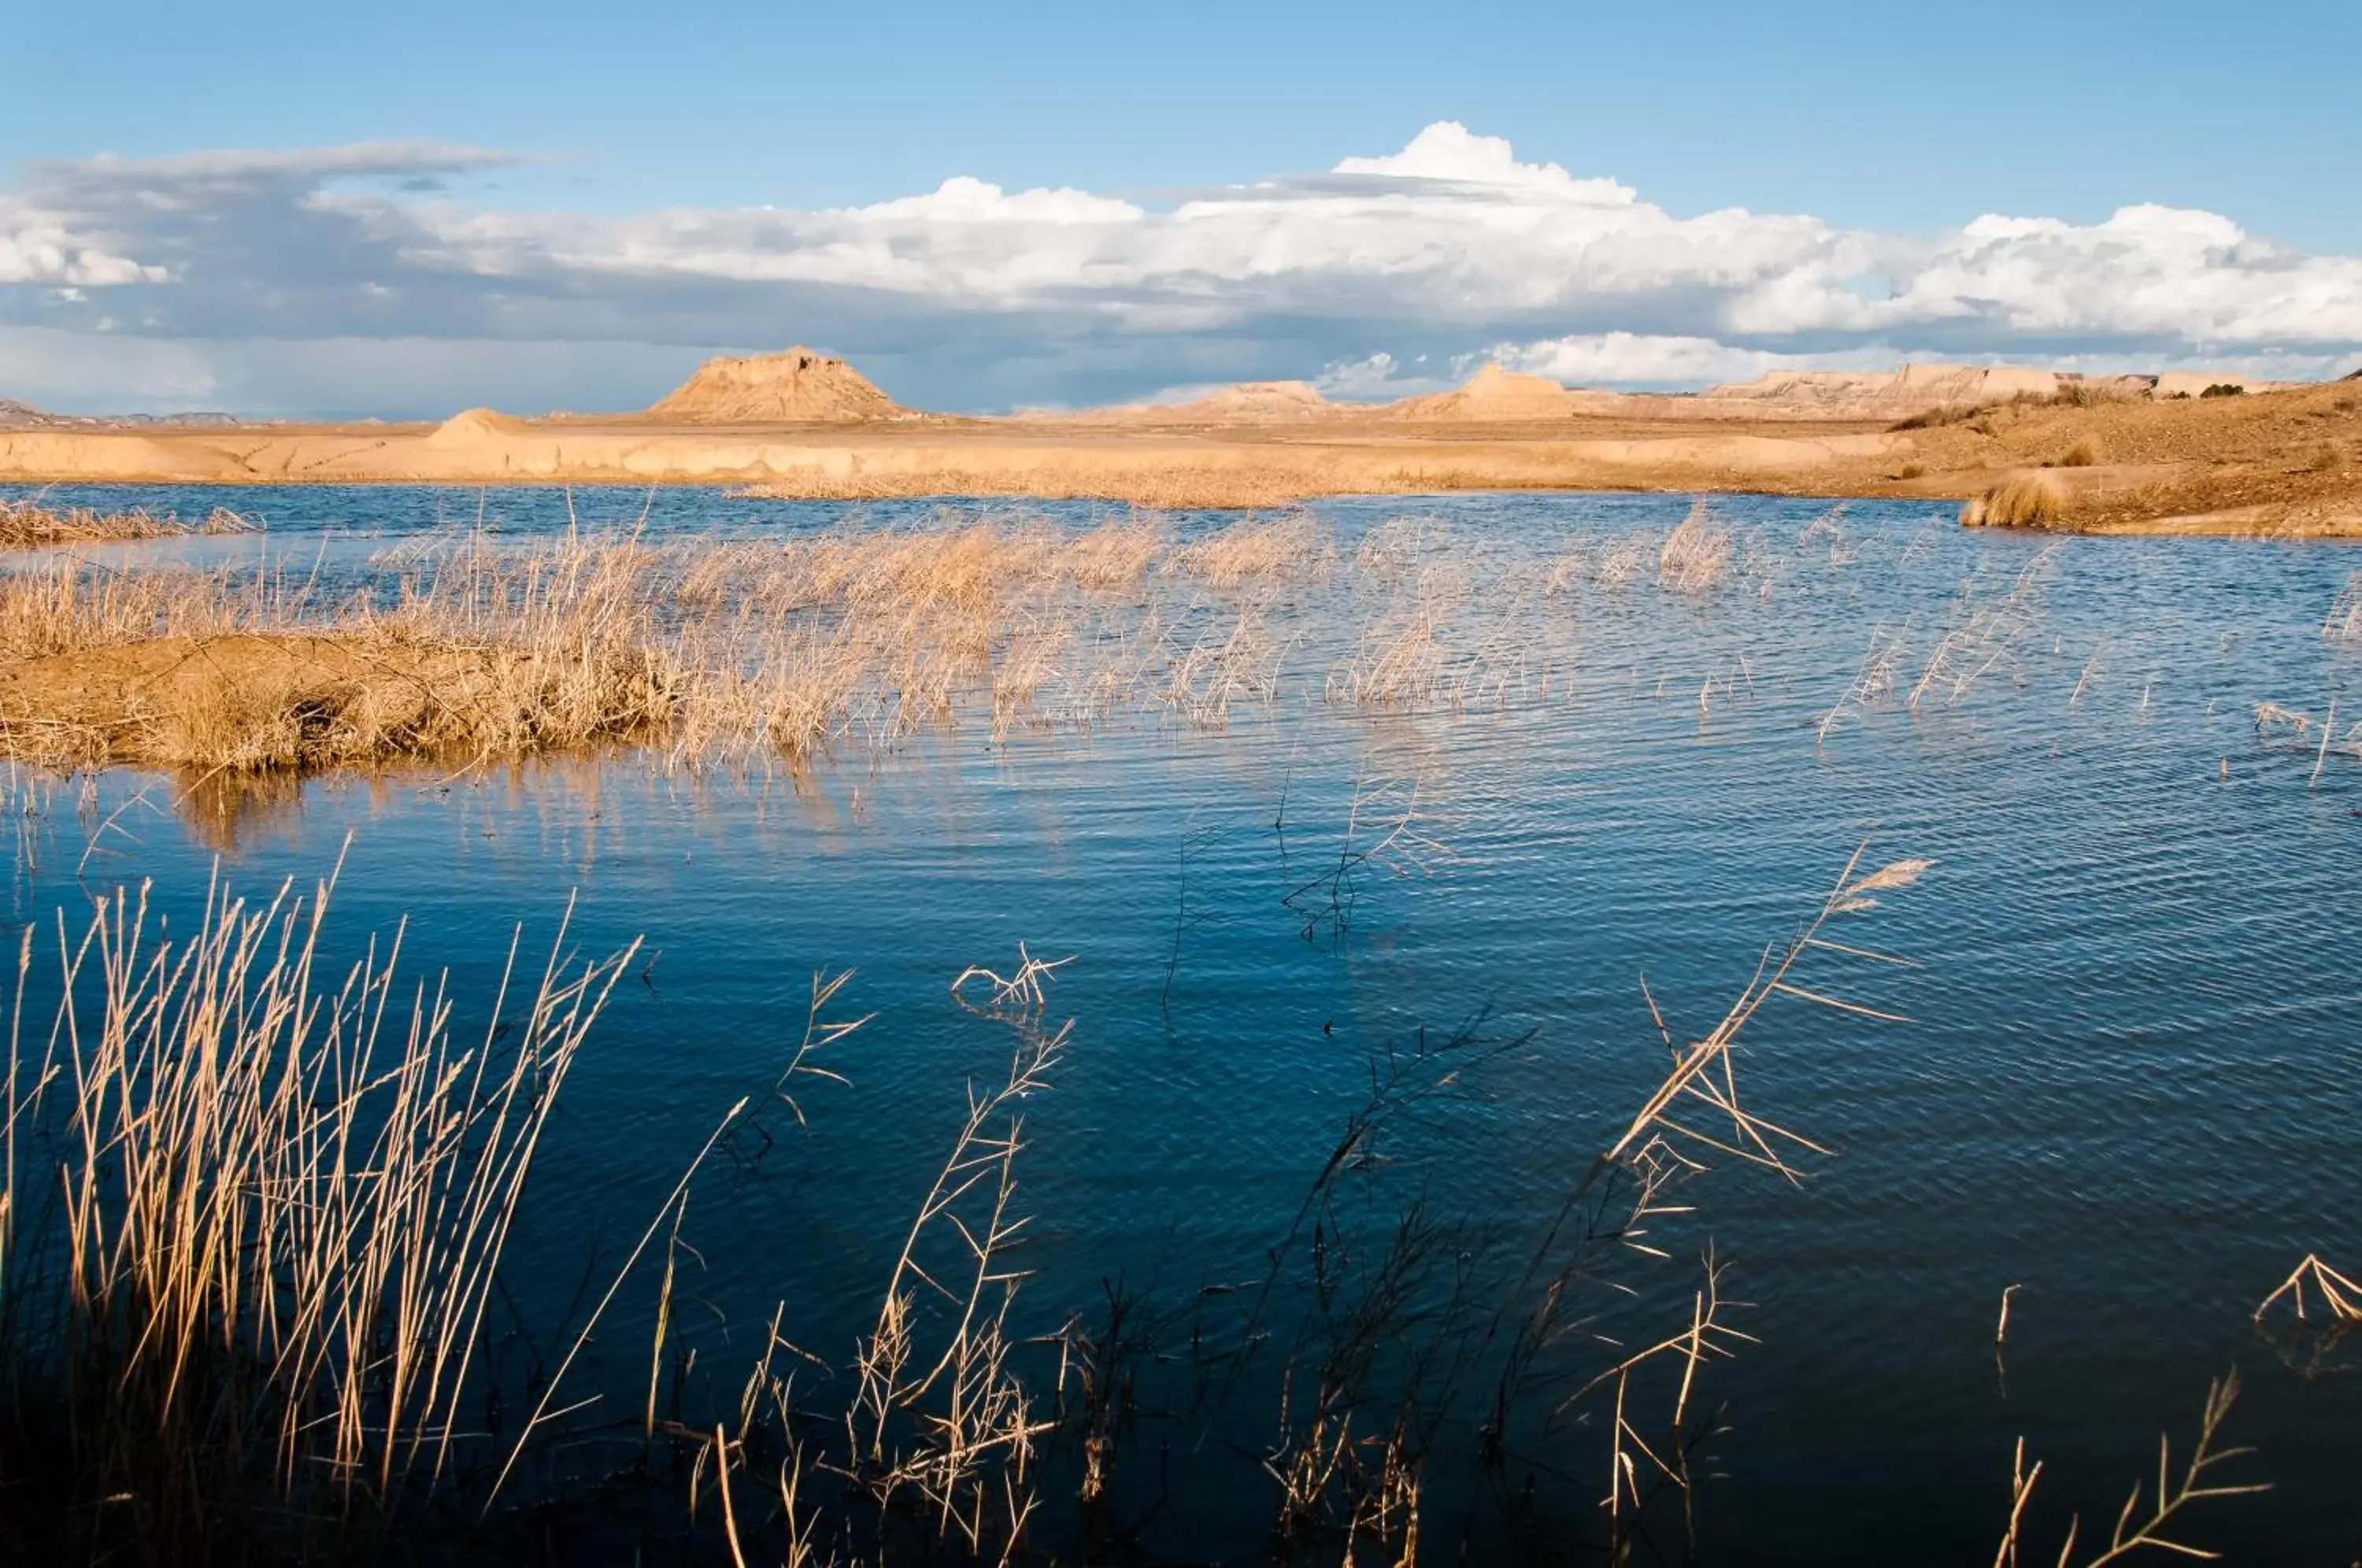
(357, 278)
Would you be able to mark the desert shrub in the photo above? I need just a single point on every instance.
(2089, 394)
(2083, 454)
(2224, 388)
(1934, 418)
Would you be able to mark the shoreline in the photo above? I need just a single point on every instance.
(2271, 465)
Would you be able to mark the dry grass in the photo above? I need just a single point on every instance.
(2340, 1297)
(2261, 465)
(282, 1219)
(280, 1211)
(1293, 546)
(1211, 486)
(2031, 501)
(1937, 419)
(27, 525)
(1695, 553)
(2342, 627)
(1627, 558)
(464, 654)
(477, 655)
(2136, 1531)
(1987, 637)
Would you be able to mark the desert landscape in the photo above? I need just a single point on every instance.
(2183, 453)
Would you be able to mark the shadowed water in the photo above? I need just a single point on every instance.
(2127, 1085)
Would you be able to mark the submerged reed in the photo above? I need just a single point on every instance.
(279, 1221)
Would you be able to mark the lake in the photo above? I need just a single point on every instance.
(2119, 1074)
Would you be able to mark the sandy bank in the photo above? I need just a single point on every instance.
(1001, 457)
(2125, 457)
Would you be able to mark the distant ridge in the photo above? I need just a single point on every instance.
(1888, 394)
(15, 414)
(799, 386)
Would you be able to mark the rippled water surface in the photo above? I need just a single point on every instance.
(2127, 1084)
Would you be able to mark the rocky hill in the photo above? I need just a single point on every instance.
(797, 387)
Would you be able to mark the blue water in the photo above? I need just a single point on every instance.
(2128, 1085)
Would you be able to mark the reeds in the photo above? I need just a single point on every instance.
(282, 1212)
(2340, 1297)
(1986, 638)
(2136, 1531)
(1693, 554)
(282, 1207)
(2342, 627)
(27, 525)
(467, 651)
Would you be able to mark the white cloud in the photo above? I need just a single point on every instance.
(1371, 377)
(1450, 150)
(1638, 359)
(40, 247)
(981, 296)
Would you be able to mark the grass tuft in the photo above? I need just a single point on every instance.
(2031, 501)
(27, 525)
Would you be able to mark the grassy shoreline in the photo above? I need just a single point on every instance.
(2272, 464)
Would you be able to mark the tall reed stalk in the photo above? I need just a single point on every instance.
(279, 1204)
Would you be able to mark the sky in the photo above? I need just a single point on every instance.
(278, 209)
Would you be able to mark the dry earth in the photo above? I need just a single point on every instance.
(2122, 455)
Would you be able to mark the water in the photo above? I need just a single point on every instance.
(2126, 1087)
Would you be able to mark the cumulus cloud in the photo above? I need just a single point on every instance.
(971, 295)
(1639, 359)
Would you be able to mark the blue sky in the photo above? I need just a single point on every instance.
(1891, 120)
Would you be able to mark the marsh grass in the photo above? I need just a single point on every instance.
(2136, 1531)
(2031, 501)
(252, 1225)
(2342, 625)
(28, 525)
(462, 652)
(1988, 636)
(1695, 553)
(476, 653)
(1624, 560)
(2340, 1298)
